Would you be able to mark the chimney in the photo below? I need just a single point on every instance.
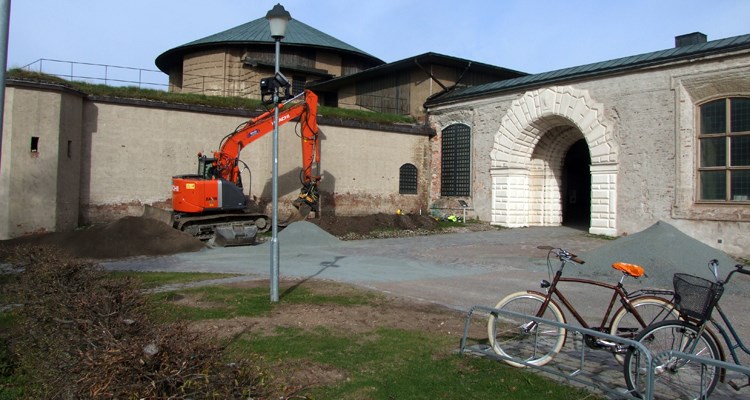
(689, 39)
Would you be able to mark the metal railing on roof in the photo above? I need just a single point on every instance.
(112, 75)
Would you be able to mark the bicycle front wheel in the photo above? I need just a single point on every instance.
(651, 309)
(674, 377)
(522, 338)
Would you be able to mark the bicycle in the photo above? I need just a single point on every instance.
(695, 298)
(538, 343)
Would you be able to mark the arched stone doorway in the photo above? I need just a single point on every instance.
(528, 160)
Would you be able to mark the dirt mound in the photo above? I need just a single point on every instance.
(140, 236)
(364, 224)
(125, 237)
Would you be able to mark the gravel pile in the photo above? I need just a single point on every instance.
(303, 234)
(661, 250)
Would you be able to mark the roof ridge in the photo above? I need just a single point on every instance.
(601, 67)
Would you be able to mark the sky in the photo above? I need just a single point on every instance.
(525, 35)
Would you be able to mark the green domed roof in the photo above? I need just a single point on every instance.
(259, 32)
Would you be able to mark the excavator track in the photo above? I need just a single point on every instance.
(225, 229)
(232, 229)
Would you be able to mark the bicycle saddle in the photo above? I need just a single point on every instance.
(630, 269)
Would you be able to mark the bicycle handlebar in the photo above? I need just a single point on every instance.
(562, 254)
(737, 268)
(714, 264)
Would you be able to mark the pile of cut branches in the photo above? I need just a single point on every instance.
(81, 334)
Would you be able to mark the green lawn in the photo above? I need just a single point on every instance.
(378, 363)
(335, 358)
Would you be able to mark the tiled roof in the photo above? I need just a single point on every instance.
(595, 69)
(259, 32)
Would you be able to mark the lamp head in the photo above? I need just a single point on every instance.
(278, 18)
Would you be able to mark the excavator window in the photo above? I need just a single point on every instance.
(205, 167)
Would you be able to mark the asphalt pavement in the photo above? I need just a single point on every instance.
(455, 270)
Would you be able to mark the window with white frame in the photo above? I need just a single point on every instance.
(724, 156)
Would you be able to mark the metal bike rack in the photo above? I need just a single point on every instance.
(489, 353)
(702, 360)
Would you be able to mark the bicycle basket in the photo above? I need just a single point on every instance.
(696, 297)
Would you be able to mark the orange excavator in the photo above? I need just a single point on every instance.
(211, 205)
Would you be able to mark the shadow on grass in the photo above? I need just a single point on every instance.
(325, 264)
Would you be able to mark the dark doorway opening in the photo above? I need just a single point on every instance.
(576, 203)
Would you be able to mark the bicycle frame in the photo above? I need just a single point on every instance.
(738, 343)
(731, 345)
(618, 292)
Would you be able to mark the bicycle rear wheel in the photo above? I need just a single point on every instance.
(673, 377)
(520, 337)
(652, 309)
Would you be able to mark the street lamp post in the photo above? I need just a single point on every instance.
(277, 18)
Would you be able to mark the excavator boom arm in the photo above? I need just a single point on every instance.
(254, 129)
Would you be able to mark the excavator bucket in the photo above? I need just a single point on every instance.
(303, 210)
(234, 235)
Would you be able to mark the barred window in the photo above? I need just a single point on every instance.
(455, 168)
(407, 179)
(724, 140)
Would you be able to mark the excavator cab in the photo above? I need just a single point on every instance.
(206, 167)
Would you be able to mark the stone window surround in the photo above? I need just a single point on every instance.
(691, 90)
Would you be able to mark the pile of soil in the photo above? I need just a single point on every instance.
(342, 226)
(125, 237)
(141, 236)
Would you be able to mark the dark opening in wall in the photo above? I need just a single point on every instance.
(35, 144)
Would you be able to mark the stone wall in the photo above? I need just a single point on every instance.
(41, 160)
(102, 158)
(640, 131)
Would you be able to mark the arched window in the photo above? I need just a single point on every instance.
(724, 139)
(455, 170)
(407, 179)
